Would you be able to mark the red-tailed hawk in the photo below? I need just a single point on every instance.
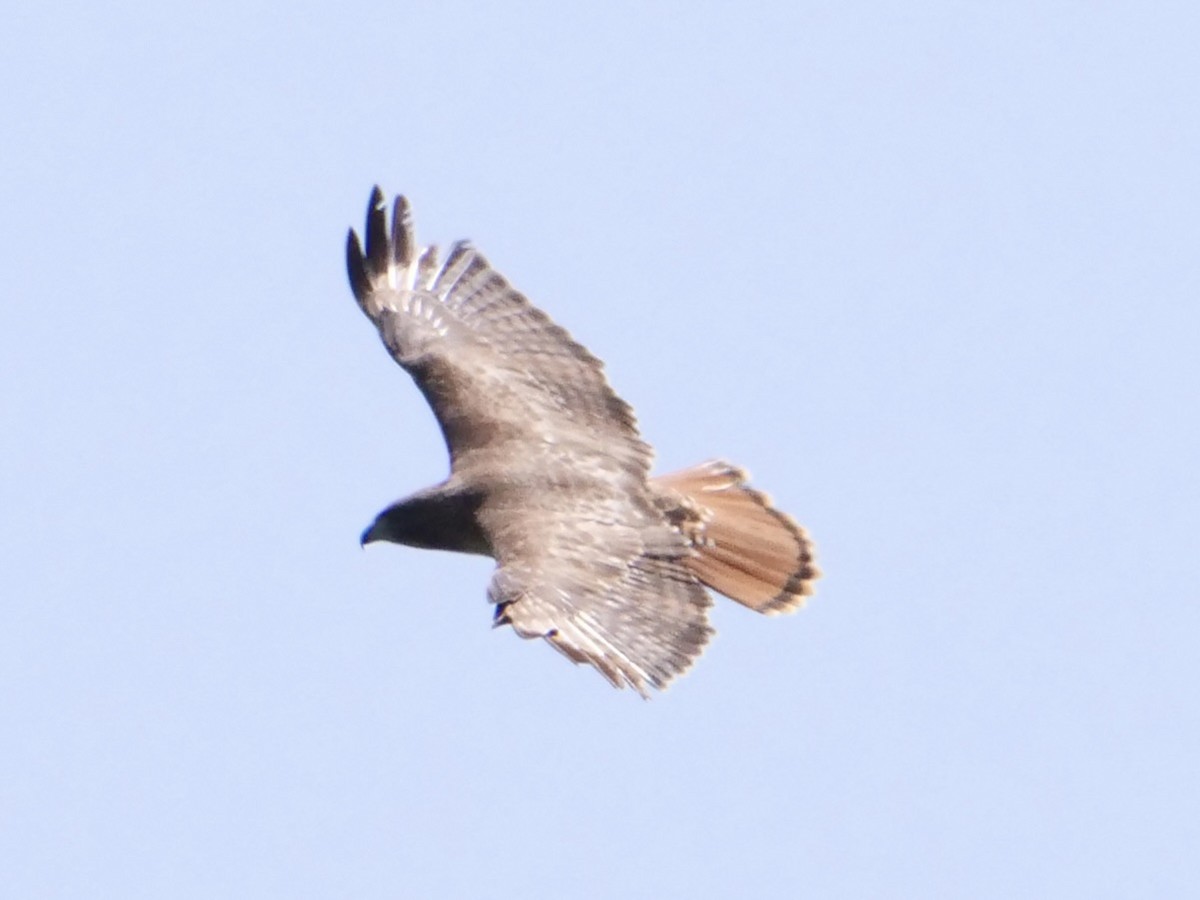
(549, 476)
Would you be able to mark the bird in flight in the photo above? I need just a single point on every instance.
(550, 478)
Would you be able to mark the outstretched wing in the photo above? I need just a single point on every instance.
(509, 387)
(585, 557)
(602, 587)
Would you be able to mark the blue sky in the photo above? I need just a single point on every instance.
(928, 270)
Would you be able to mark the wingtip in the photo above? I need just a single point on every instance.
(356, 267)
(376, 236)
(402, 233)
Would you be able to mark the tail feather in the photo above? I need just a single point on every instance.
(744, 547)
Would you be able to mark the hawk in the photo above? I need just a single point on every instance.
(549, 476)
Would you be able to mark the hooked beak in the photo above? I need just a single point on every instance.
(368, 535)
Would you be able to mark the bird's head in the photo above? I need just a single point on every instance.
(413, 522)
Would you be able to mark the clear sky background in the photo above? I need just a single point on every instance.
(929, 270)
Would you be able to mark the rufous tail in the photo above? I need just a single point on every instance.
(745, 548)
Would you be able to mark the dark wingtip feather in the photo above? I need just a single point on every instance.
(402, 234)
(377, 234)
(360, 283)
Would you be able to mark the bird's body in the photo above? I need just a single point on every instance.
(550, 477)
